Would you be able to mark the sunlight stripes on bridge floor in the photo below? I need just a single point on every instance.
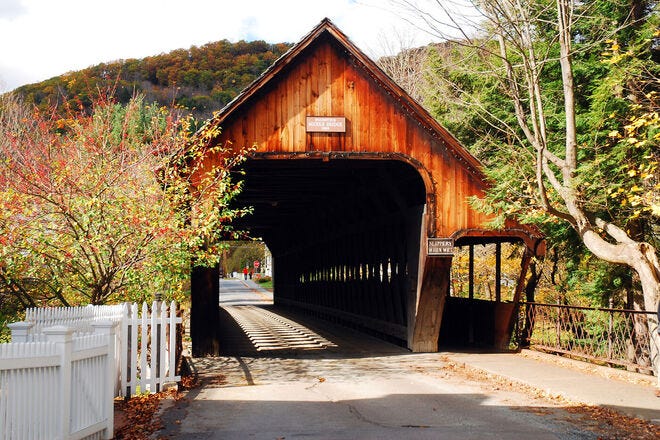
(271, 332)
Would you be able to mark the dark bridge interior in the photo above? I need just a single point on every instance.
(344, 234)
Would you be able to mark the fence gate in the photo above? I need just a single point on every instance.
(148, 347)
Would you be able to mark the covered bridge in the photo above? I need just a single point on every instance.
(359, 194)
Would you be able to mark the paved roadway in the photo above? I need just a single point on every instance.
(287, 377)
(240, 292)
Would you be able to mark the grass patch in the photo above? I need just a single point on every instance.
(265, 282)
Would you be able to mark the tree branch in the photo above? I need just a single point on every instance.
(613, 231)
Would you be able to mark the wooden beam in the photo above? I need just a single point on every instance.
(524, 268)
(204, 311)
(432, 298)
(471, 273)
(520, 287)
(507, 313)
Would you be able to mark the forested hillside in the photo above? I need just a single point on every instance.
(202, 79)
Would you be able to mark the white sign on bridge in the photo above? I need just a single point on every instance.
(441, 247)
(325, 124)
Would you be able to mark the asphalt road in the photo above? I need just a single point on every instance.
(237, 292)
(287, 377)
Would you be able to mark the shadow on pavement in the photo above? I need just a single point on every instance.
(391, 416)
(284, 374)
(267, 331)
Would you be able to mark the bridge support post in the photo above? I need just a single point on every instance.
(431, 303)
(204, 310)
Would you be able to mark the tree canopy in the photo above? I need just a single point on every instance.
(100, 207)
(500, 88)
(559, 101)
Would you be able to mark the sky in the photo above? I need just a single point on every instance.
(40, 39)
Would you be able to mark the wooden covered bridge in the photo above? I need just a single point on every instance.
(358, 192)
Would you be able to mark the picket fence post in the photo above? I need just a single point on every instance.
(62, 337)
(20, 331)
(107, 327)
(153, 348)
(162, 359)
(173, 333)
(144, 348)
(126, 345)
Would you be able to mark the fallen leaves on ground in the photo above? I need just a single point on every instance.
(135, 418)
(217, 380)
(615, 424)
(190, 382)
(605, 422)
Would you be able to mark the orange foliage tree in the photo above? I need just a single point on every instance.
(99, 207)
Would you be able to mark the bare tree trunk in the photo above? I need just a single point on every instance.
(643, 259)
(639, 331)
(639, 256)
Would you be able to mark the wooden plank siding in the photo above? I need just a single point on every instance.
(329, 81)
(325, 75)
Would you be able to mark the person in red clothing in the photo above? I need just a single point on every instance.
(245, 272)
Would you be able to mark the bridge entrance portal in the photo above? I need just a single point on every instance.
(344, 235)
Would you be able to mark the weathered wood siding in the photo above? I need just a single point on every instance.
(327, 81)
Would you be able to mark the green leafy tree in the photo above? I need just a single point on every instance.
(101, 207)
(557, 152)
(242, 254)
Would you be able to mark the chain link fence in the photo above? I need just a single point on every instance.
(613, 337)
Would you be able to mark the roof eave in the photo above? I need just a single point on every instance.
(414, 108)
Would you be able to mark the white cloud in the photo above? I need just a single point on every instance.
(45, 38)
(10, 9)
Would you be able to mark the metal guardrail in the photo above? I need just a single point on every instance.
(614, 337)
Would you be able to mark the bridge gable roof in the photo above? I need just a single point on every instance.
(326, 31)
(325, 74)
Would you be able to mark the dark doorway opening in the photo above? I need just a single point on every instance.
(344, 235)
(487, 279)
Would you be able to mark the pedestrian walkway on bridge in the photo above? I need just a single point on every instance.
(283, 375)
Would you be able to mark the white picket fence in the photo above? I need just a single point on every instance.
(80, 318)
(60, 388)
(148, 348)
(56, 383)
